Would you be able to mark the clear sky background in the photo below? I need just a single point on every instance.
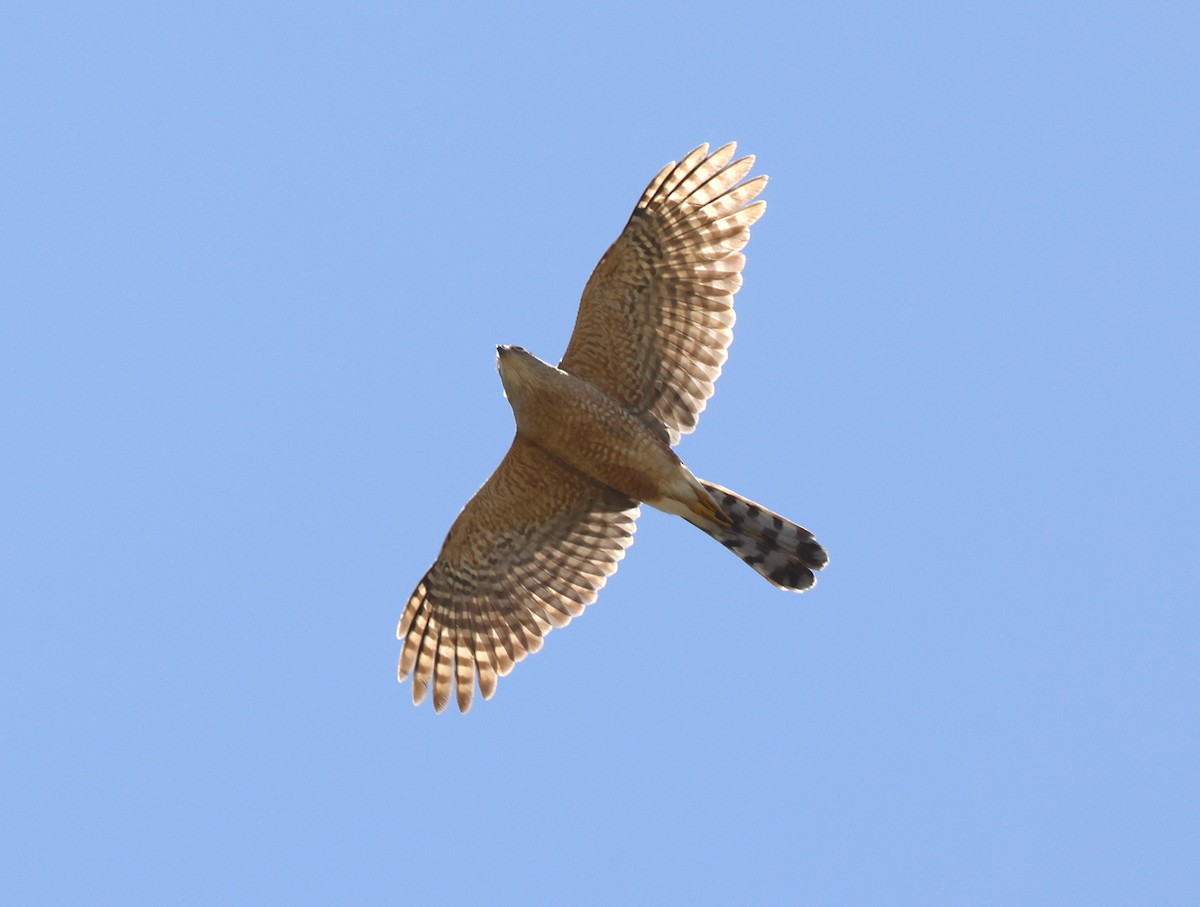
(254, 264)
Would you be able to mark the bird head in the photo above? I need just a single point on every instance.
(519, 370)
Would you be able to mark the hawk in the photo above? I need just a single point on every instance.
(593, 441)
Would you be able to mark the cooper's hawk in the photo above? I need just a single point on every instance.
(536, 543)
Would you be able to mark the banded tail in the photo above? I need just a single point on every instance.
(786, 554)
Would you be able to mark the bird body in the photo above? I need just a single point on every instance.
(583, 427)
(594, 439)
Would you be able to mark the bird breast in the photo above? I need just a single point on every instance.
(586, 429)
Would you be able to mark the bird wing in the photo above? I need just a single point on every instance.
(530, 551)
(655, 320)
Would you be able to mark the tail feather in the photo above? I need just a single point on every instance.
(786, 554)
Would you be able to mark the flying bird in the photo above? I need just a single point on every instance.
(593, 442)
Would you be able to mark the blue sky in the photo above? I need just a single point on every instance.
(255, 261)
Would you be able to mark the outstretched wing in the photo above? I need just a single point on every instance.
(655, 320)
(530, 551)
